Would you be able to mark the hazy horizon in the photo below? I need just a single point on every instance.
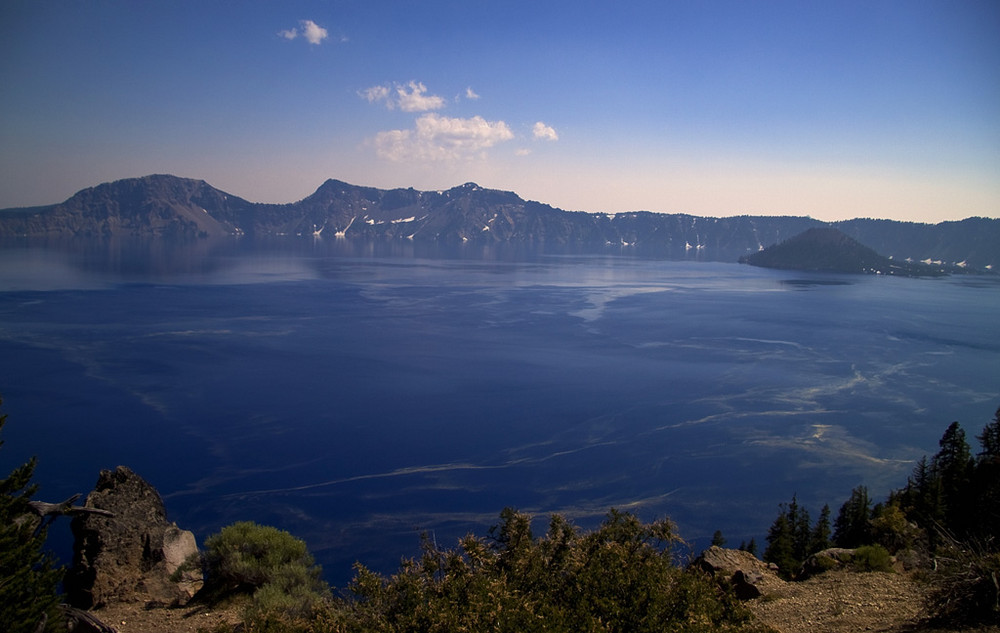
(714, 109)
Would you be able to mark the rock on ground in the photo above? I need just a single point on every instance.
(749, 577)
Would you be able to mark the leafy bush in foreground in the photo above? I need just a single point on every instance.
(619, 577)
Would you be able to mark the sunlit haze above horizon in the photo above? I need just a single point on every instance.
(834, 110)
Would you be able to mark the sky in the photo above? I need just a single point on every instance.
(835, 110)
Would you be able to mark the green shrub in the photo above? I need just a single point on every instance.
(891, 529)
(872, 558)
(244, 557)
(271, 566)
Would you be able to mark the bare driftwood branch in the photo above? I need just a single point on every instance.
(51, 510)
(83, 622)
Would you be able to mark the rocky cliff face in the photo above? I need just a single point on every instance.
(132, 556)
(166, 206)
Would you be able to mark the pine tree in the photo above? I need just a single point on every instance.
(922, 496)
(792, 539)
(780, 548)
(953, 464)
(986, 481)
(851, 528)
(989, 440)
(717, 539)
(798, 518)
(28, 580)
(819, 537)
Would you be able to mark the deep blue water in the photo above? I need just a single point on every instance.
(357, 398)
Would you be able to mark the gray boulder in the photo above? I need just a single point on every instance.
(826, 560)
(750, 577)
(133, 555)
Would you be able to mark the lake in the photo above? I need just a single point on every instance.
(360, 394)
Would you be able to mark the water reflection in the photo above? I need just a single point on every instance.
(130, 258)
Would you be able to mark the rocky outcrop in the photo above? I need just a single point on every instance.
(132, 556)
(749, 577)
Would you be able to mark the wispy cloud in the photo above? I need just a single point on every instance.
(544, 132)
(437, 137)
(309, 30)
(471, 94)
(411, 97)
(375, 93)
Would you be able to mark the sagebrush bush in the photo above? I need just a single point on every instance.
(271, 566)
(872, 558)
(246, 556)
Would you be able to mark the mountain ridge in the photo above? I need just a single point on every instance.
(165, 206)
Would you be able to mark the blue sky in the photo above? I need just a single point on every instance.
(830, 109)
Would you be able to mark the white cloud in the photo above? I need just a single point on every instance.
(312, 32)
(544, 132)
(416, 100)
(411, 97)
(471, 94)
(442, 138)
(523, 151)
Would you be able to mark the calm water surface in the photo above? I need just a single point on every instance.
(357, 397)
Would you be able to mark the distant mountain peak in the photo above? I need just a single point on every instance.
(161, 205)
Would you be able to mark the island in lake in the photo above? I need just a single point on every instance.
(823, 249)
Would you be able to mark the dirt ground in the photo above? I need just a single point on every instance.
(834, 602)
(134, 617)
(847, 602)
